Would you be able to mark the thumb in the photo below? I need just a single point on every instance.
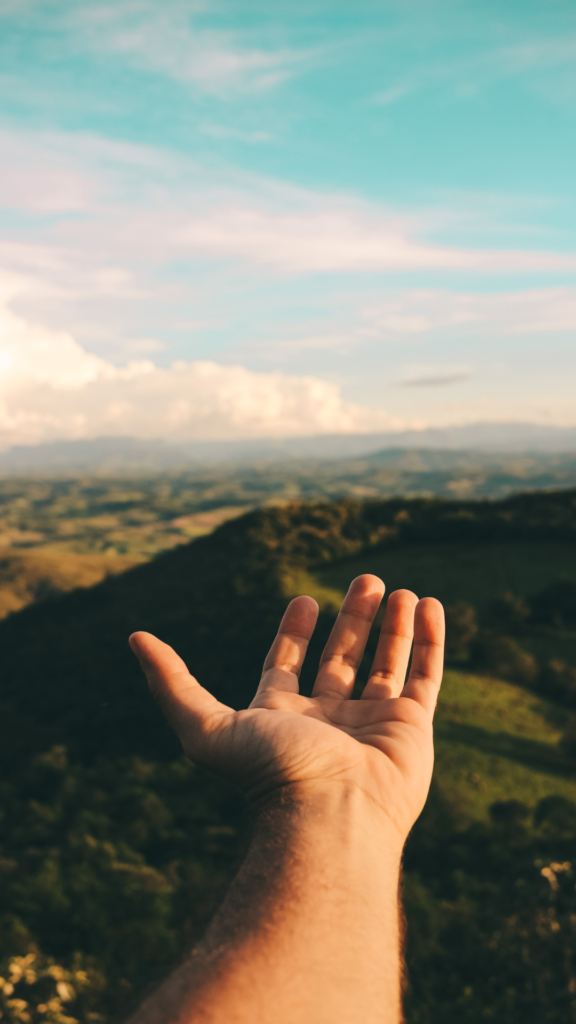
(192, 712)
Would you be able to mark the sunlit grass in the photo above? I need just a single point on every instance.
(496, 741)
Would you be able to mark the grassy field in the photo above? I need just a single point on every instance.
(496, 741)
(57, 536)
(122, 517)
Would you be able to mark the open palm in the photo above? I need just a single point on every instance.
(381, 742)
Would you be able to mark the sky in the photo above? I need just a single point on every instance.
(233, 219)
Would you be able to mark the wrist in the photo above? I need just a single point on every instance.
(341, 814)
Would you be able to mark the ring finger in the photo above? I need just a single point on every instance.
(393, 652)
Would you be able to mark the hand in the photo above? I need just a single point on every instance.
(381, 743)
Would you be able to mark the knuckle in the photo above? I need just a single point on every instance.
(340, 659)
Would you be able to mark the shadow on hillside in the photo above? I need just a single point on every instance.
(529, 753)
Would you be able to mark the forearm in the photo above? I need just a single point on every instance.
(309, 931)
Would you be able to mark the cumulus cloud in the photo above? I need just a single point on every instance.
(51, 388)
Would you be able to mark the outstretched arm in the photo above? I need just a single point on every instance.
(310, 930)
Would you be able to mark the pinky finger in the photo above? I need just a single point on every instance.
(428, 655)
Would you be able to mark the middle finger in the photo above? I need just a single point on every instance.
(343, 652)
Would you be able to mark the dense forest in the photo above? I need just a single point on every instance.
(114, 850)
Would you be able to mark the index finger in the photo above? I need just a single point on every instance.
(428, 655)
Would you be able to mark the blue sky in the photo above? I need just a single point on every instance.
(377, 197)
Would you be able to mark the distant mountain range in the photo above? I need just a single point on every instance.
(127, 455)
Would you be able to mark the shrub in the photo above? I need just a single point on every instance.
(33, 988)
(509, 813)
(556, 605)
(508, 613)
(503, 656)
(568, 741)
(461, 629)
(558, 680)
(557, 813)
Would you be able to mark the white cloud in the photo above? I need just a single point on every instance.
(161, 248)
(341, 237)
(51, 388)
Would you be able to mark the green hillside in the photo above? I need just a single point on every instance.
(461, 570)
(496, 741)
(114, 850)
(465, 571)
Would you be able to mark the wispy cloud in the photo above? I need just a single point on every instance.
(131, 194)
(218, 131)
(328, 235)
(424, 376)
(111, 220)
(169, 39)
(394, 93)
(546, 65)
(414, 312)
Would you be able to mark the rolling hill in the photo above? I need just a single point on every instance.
(27, 577)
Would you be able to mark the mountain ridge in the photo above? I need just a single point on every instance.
(120, 454)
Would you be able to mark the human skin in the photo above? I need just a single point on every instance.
(309, 932)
